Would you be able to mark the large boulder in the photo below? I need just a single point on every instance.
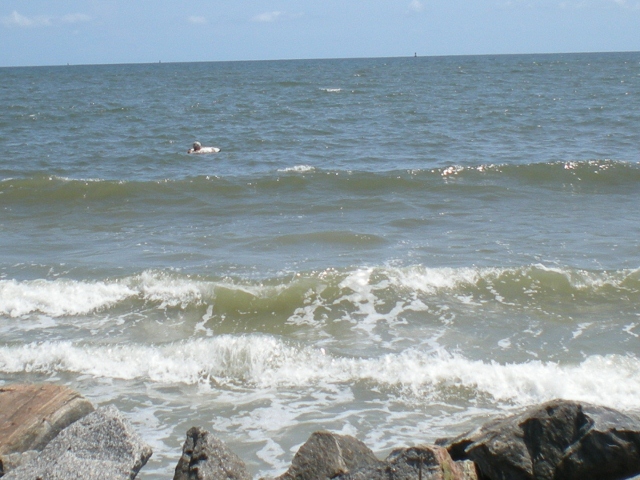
(11, 461)
(101, 445)
(327, 455)
(423, 462)
(31, 415)
(557, 440)
(205, 457)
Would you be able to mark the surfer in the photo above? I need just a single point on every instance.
(198, 148)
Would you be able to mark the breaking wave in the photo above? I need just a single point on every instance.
(265, 362)
(523, 286)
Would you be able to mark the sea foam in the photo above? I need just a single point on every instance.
(265, 362)
(298, 169)
(59, 297)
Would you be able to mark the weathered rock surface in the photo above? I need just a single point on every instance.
(424, 462)
(557, 440)
(327, 455)
(31, 415)
(205, 457)
(102, 445)
(11, 461)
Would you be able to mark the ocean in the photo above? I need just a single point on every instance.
(397, 249)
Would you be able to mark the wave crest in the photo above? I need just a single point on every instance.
(265, 362)
(302, 293)
(586, 174)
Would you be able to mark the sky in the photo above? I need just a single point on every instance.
(60, 32)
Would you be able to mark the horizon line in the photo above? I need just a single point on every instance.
(319, 58)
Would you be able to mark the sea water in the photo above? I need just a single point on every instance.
(397, 249)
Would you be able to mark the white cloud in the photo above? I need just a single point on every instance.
(575, 5)
(18, 20)
(197, 20)
(267, 17)
(582, 4)
(626, 4)
(415, 6)
(75, 18)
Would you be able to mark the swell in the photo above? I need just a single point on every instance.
(596, 176)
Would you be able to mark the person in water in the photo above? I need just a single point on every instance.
(198, 148)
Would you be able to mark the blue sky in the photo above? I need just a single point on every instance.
(45, 32)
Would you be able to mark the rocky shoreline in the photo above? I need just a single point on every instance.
(52, 432)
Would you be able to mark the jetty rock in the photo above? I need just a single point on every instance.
(101, 445)
(206, 457)
(32, 415)
(51, 432)
(342, 457)
(556, 440)
(422, 462)
(328, 455)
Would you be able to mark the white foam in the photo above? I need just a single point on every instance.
(363, 289)
(629, 329)
(200, 326)
(298, 169)
(168, 290)
(434, 280)
(59, 297)
(587, 280)
(364, 298)
(581, 328)
(452, 170)
(264, 362)
(431, 280)
(272, 454)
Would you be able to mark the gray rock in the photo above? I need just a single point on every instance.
(424, 462)
(557, 440)
(102, 445)
(205, 457)
(327, 455)
(12, 461)
(32, 415)
(468, 469)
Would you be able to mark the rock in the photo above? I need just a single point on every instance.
(11, 461)
(424, 462)
(468, 468)
(31, 415)
(205, 457)
(559, 439)
(327, 455)
(101, 445)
